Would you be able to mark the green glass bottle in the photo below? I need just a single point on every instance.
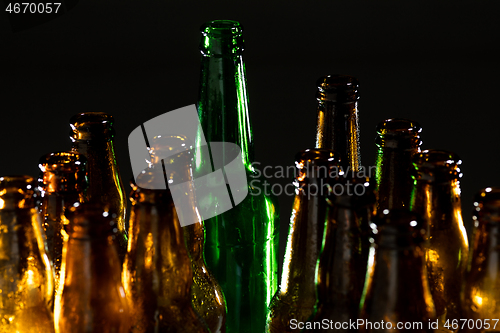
(242, 243)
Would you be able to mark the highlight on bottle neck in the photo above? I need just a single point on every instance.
(221, 38)
(62, 172)
(17, 192)
(91, 125)
(353, 191)
(436, 166)
(337, 89)
(398, 133)
(317, 163)
(398, 229)
(487, 207)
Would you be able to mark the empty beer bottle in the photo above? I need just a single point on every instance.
(92, 136)
(344, 257)
(296, 297)
(396, 297)
(26, 276)
(62, 182)
(482, 287)
(436, 197)
(206, 294)
(241, 243)
(157, 272)
(91, 298)
(337, 124)
(397, 141)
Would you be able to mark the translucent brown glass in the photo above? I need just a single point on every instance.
(26, 275)
(436, 197)
(157, 272)
(396, 290)
(481, 295)
(206, 294)
(397, 141)
(62, 182)
(92, 135)
(92, 298)
(337, 125)
(296, 296)
(344, 257)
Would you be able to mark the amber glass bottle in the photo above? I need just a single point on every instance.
(296, 297)
(92, 298)
(344, 258)
(397, 141)
(92, 136)
(62, 182)
(206, 294)
(157, 272)
(436, 197)
(26, 276)
(482, 287)
(337, 125)
(396, 297)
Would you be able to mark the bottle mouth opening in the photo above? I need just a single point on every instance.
(90, 119)
(337, 88)
(17, 191)
(222, 28)
(399, 127)
(62, 161)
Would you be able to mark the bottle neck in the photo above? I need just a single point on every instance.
(223, 103)
(393, 177)
(341, 271)
(304, 241)
(337, 129)
(392, 268)
(439, 203)
(157, 241)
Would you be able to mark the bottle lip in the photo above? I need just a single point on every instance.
(338, 88)
(90, 220)
(398, 133)
(435, 165)
(221, 38)
(89, 125)
(62, 171)
(17, 192)
(397, 228)
(487, 206)
(221, 28)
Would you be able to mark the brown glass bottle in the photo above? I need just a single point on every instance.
(26, 276)
(62, 182)
(337, 125)
(436, 197)
(344, 258)
(482, 286)
(157, 272)
(296, 297)
(397, 141)
(92, 136)
(91, 296)
(396, 297)
(206, 294)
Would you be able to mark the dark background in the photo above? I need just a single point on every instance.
(436, 62)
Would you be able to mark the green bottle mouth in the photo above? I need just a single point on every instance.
(221, 38)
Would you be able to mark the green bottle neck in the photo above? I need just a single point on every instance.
(223, 104)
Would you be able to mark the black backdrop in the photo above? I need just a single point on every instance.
(434, 62)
